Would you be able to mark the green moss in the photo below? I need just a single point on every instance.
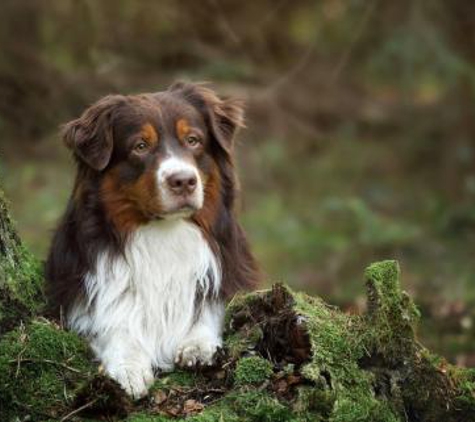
(362, 409)
(140, 417)
(391, 314)
(334, 346)
(465, 400)
(260, 406)
(178, 378)
(240, 342)
(354, 368)
(40, 365)
(338, 347)
(315, 400)
(21, 278)
(239, 304)
(247, 406)
(252, 370)
(217, 413)
(24, 281)
(343, 390)
(238, 406)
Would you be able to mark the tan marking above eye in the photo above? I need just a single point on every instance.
(149, 134)
(182, 128)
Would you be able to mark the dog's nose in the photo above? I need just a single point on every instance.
(182, 182)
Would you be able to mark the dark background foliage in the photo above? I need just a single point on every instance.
(360, 142)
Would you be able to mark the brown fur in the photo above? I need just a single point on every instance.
(123, 204)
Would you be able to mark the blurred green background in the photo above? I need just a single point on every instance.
(360, 142)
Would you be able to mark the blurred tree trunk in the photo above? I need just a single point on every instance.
(458, 153)
(29, 82)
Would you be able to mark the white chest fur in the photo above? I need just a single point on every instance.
(141, 305)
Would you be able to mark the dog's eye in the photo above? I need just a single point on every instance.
(193, 140)
(141, 146)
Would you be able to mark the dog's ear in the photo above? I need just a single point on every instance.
(223, 115)
(91, 136)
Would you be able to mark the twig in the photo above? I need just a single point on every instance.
(293, 71)
(79, 409)
(270, 15)
(345, 58)
(18, 362)
(233, 36)
(29, 409)
(51, 362)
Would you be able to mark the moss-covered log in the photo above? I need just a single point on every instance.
(20, 276)
(288, 357)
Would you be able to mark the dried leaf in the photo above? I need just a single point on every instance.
(192, 406)
(160, 397)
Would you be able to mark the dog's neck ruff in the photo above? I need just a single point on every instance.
(151, 290)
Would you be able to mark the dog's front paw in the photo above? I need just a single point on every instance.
(134, 379)
(196, 351)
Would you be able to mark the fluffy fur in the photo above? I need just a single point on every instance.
(149, 248)
(140, 308)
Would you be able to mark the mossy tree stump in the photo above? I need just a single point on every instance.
(288, 357)
(20, 276)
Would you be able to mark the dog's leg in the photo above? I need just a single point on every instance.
(204, 338)
(125, 361)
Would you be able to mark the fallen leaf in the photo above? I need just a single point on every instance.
(282, 386)
(192, 406)
(160, 396)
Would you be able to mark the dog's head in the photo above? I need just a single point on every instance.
(155, 156)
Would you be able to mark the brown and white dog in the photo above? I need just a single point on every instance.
(149, 248)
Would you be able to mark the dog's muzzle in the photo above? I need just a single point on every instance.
(180, 187)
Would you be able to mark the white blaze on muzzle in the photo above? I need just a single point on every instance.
(170, 200)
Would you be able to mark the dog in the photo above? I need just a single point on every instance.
(149, 249)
